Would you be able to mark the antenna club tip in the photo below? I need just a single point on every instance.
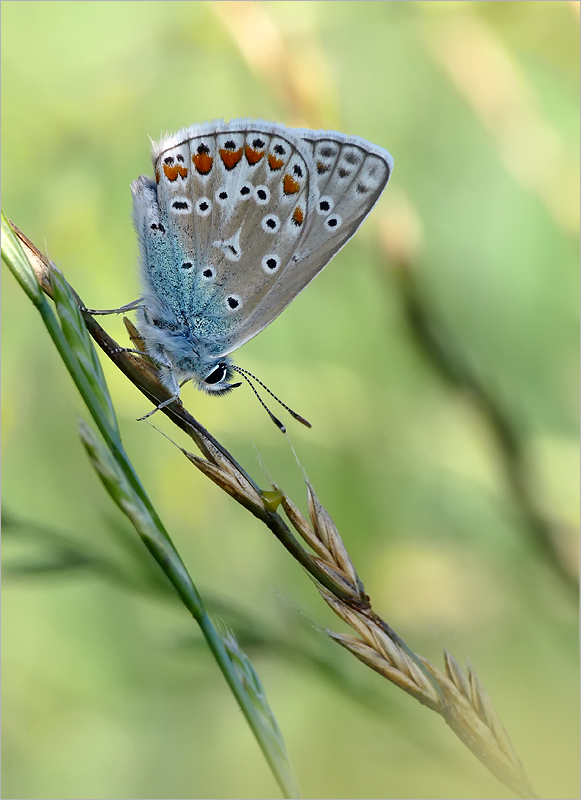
(304, 421)
(279, 424)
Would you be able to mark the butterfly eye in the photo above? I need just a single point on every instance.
(217, 375)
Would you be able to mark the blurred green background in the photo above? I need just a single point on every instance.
(107, 692)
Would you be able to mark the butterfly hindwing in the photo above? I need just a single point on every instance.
(348, 176)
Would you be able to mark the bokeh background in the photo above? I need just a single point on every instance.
(453, 308)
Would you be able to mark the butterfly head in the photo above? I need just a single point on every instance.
(217, 377)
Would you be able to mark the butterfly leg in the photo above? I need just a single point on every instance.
(171, 383)
(131, 350)
(159, 359)
(157, 408)
(168, 379)
(129, 307)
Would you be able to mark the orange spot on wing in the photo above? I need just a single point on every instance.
(275, 163)
(157, 176)
(253, 156)
(202, 162)
(230, 157)
(289, 185)
(321, 168)
(171, 173)
(298, 216)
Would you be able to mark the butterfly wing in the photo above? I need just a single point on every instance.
(348, 175)
(246, 213)
(233, 200)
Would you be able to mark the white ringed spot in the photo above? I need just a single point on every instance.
(204, 206)
(333, 222)
(325, 204)
(262, 195)
(181, 205)
(270, 263)
(271, 224)
(233, 303)
(221, 196)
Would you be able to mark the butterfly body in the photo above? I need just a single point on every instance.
(240, 218)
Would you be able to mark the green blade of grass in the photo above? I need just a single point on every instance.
(123, 484)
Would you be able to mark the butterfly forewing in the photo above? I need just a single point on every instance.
(234, 200)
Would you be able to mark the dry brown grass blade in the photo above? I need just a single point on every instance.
(487, 75)
(459, 699)
(296, 72)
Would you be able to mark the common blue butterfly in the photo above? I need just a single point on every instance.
(240, 218)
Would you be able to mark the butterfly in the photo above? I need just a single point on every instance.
(240, 218)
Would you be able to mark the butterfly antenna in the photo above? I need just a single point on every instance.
(276, 420)
(245, 373)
